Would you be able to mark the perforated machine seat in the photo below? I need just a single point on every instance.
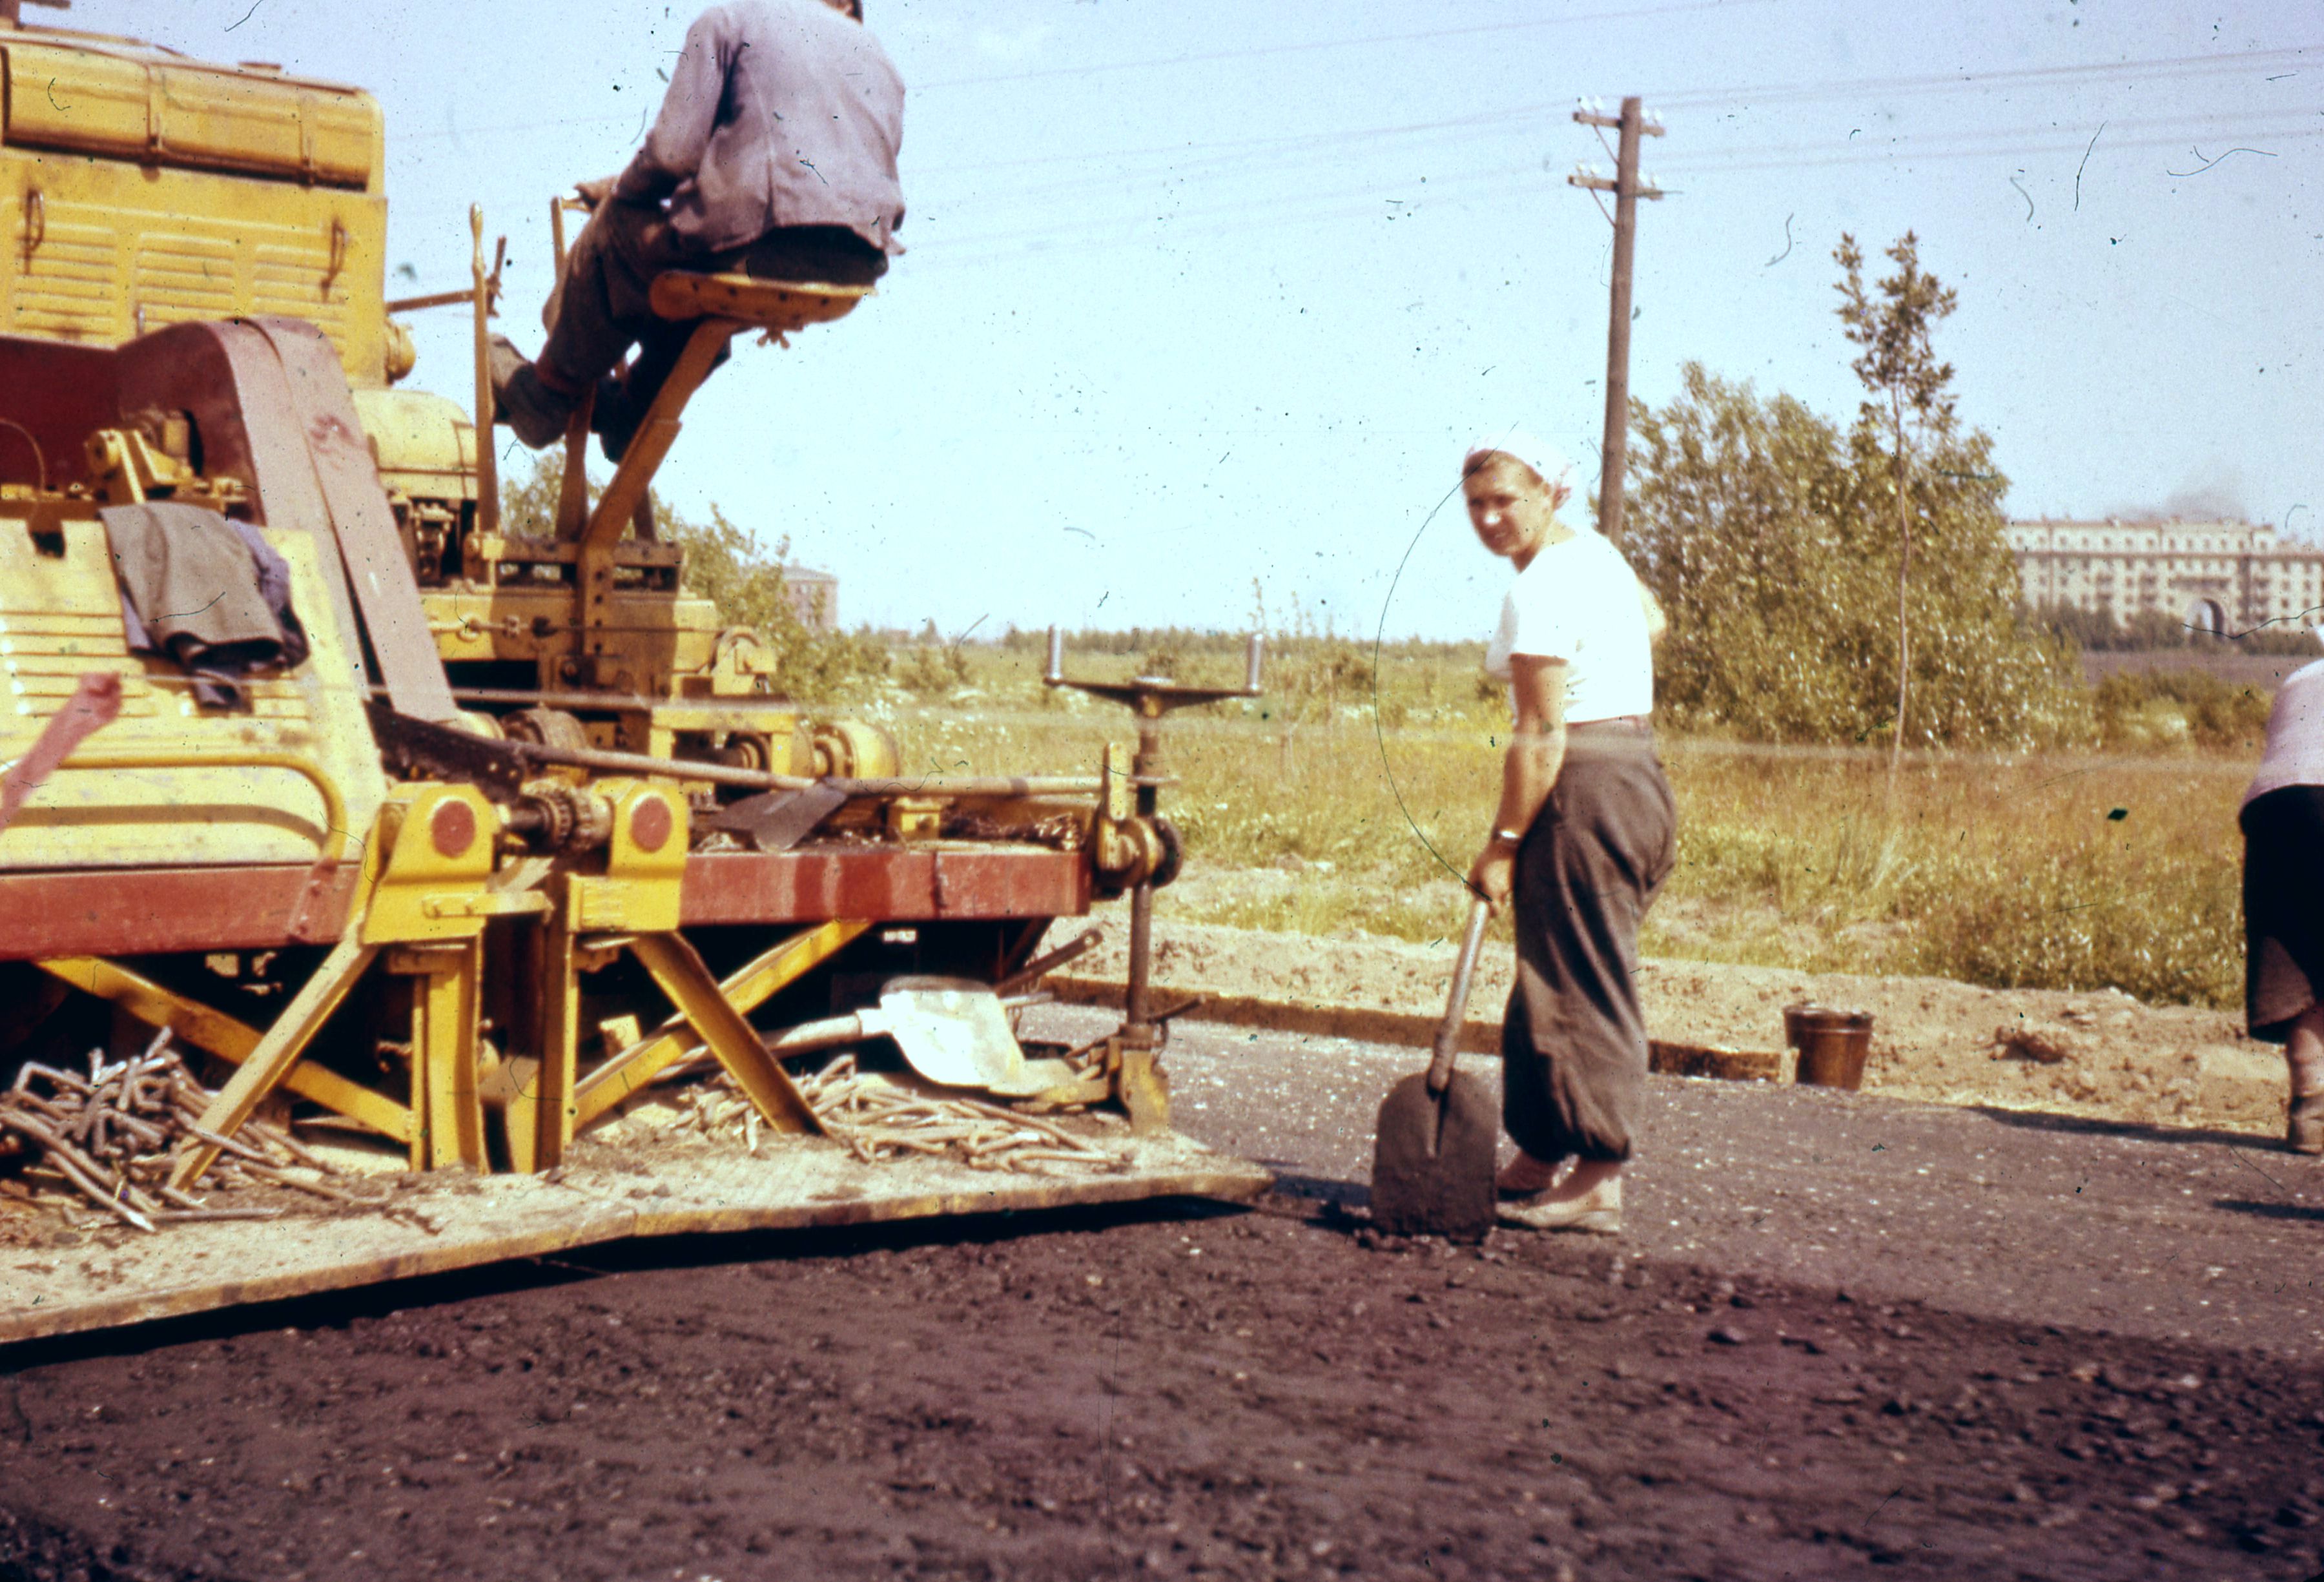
(777, 306)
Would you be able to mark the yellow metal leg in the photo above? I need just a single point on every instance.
(450, 1115)
(746, 991)
(573, 490)
(276, 1053)
(541, 1118)
(213, 1030)
(676, 966)
(657, 432)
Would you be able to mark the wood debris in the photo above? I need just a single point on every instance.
(112, 1136)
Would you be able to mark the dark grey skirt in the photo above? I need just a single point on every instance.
(2283, 907)
(1573, 1043)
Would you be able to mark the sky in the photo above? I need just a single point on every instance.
(1203, 299)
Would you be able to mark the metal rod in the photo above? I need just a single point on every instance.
(334, 805)
(488, 483)
(433, 299)
(1032, 971)
(609, 701)
(1138, 1002)
(637, 763)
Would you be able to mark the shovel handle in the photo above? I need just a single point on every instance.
(1456, 1003)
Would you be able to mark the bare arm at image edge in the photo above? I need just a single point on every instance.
(1528, 769)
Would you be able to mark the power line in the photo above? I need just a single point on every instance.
(1740, 96)
(1257, 51)
(1500, 183)
(2023, 140)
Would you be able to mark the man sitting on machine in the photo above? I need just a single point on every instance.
(774, 154)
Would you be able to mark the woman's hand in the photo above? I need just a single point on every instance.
(1494, 873)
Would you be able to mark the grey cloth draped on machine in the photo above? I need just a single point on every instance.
(211, 593)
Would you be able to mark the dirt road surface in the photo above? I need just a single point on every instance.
(1842, 1335)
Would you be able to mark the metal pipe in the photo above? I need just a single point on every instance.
(638, 763)
(335, 806)
(610, 702)
(488, 482)
(433, 299)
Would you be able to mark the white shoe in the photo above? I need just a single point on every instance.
(1598, 1211)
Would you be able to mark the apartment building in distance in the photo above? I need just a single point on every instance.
(2218, 576)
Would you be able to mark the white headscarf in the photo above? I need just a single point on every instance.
(1549, 463)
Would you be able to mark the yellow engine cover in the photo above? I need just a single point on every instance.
(201, 792)
(139, 191)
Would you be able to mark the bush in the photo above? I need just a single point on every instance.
(2147, 708)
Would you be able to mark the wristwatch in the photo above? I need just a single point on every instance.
(1506, 838)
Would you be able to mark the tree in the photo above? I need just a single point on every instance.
(1737, 523)
(1765, 531)
(725, 565)
(1907, 384)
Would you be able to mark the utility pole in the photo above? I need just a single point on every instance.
(1627, 189)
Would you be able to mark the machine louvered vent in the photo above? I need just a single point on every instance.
(70, 284)
(296, 275)
(66, 286)
(182, 278)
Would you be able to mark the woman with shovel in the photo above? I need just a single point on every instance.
(1583, 839)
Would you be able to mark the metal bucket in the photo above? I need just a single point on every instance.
(1833, 1044)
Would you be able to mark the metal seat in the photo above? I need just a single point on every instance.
(779, 307)
(719, 307)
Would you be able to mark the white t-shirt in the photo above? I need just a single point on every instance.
(2295, 734)
(1579, 601)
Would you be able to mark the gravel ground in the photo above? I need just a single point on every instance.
(1839, 1333)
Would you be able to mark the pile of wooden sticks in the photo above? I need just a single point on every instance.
(112, 1136)
(879, 1120)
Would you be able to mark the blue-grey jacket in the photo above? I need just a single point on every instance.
(779, 113)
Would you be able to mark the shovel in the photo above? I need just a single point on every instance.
(953, 1031)
(1433, 1153)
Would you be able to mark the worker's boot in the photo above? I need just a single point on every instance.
(2303, 1130)
(615, 419)
(524, 400)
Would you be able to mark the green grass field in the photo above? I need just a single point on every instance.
(2071, 870)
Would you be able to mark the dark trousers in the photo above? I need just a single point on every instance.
(1574, 1043)
(601, 308)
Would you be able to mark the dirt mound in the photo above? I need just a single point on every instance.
(2102, 1054)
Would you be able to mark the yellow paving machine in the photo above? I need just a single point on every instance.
(505, 833)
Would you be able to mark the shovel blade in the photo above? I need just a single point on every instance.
(1432, 1160)
(954, 1030)
(777, 821)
